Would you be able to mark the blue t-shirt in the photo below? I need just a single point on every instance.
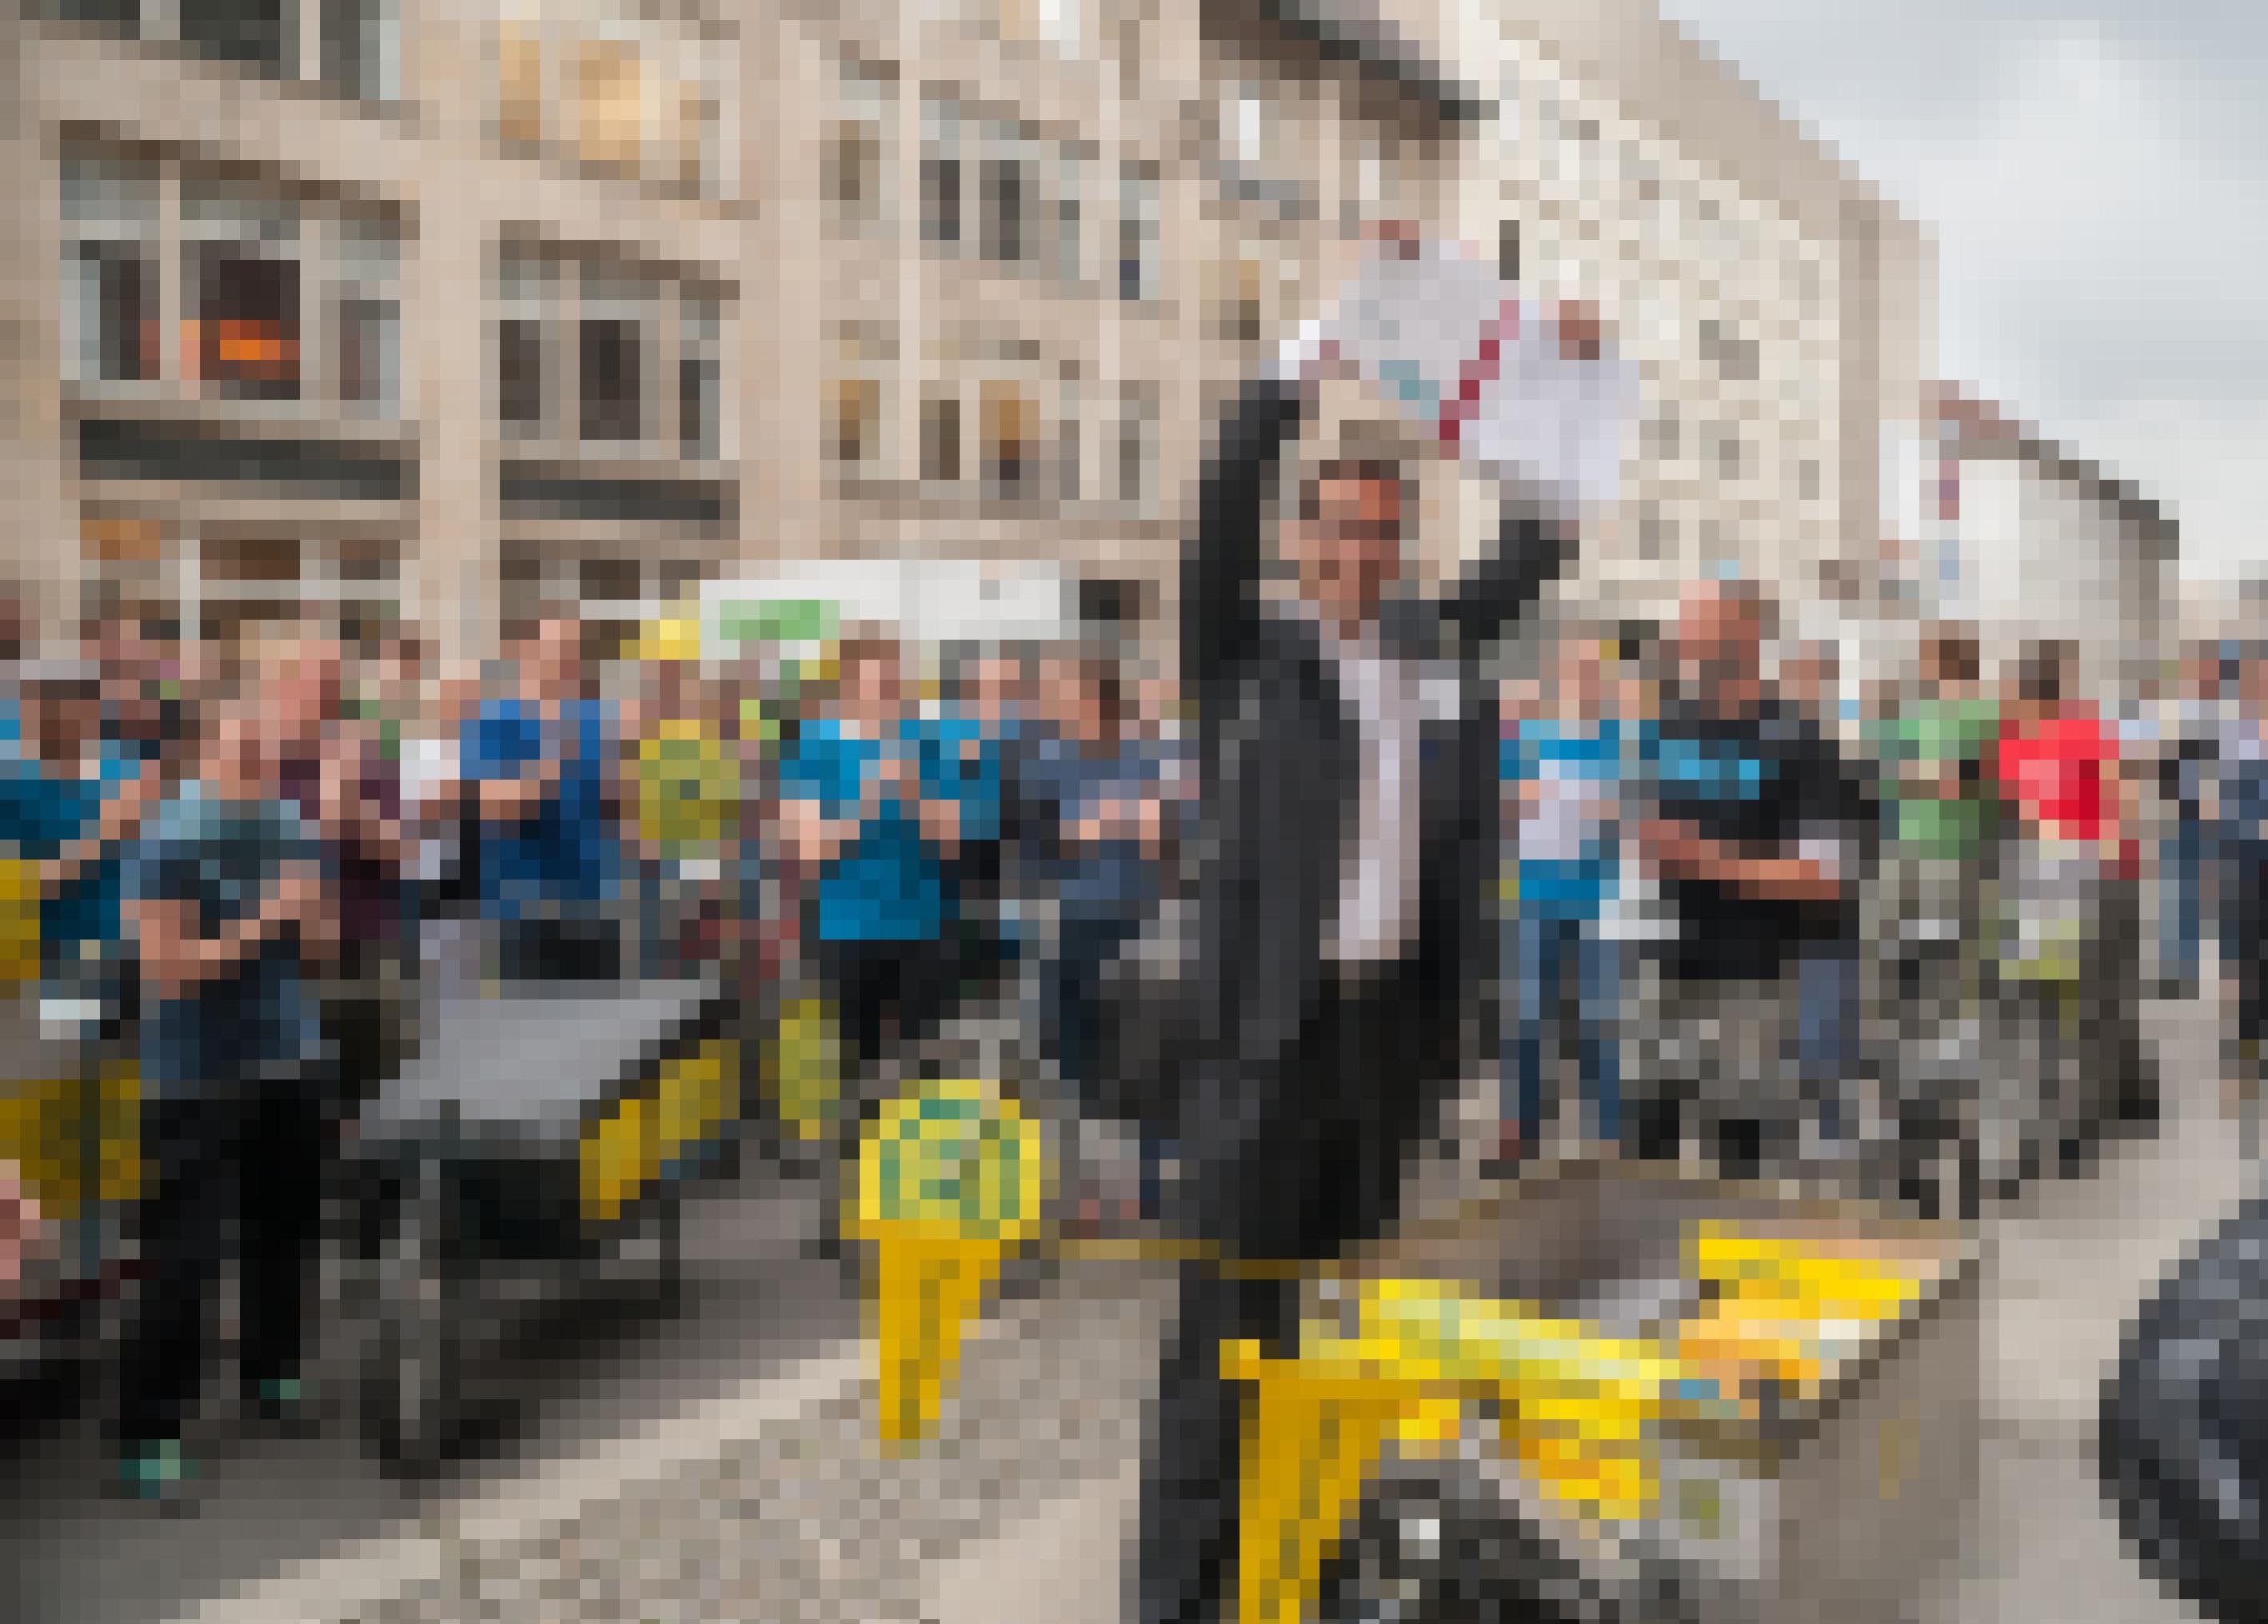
(224, 858)
(1568, 851)
(565, 851)
(960, 760)
(43, 811)
(888, 883)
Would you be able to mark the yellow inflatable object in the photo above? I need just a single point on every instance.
(20, 920)
(683, 1106)
(950, 1180)
(1579, 1409)
(50, 1125)
(803, 1069)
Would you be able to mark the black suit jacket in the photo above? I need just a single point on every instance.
(1280, 753)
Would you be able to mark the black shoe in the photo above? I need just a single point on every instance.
(1654, 1131)
(1739, 1150)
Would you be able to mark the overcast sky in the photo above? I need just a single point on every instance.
(2094, 172)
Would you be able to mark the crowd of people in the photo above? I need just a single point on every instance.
(1742, 917)
(1849, 928)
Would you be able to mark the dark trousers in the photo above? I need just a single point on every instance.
(887, 992)
(1361, 1085)
(1084, 947)
(236, 1170)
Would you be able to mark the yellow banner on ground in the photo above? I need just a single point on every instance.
(683, 1106)
(950, 1180)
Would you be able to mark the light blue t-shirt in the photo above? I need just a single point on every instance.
(1569, 856)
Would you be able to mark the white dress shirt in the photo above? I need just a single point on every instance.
(1378, 885)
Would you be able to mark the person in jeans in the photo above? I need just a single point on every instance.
(543, 763)
(1758, 836)
(1569, 769)
(232, 918)
(1100, 828)
(2059, 767)
(2189, 856)
(1935, 745)
(2243, 797)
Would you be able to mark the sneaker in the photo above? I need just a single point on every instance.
(156, 1472)
(281, 1404)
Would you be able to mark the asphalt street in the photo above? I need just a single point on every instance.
(69, 1554)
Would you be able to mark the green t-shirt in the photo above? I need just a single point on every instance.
(1939, 734)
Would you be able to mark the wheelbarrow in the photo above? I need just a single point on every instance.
(71, 1125)
(533, 1154)
(1619, 1396)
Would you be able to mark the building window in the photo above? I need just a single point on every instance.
(940, 449)
(1137, 232)
(1069, 427)
(243, 341)
(114, 314)
(941, 200)
(110, 269)
(368, 334)
(1238, 316)
(1137, 448)
(618, 352)
(612, 360)
(1071, 184)
(527, 296)
(854, 171)
(1734, 357)
(241, 294)
(620, 92)
(367, 320)
(855, 147)
(248, 32)
(612, 89)
(1005, 184)
(362, 49)
(858, 421)
(1250, 118)
(1012, 419)
(519, 86)
(699, 375)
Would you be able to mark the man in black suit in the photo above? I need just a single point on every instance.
(1350, 777)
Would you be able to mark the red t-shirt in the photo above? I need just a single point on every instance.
(2062, 774)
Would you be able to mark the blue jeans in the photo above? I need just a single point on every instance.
(1827, 985)
(2182, 909)
(1542, 951)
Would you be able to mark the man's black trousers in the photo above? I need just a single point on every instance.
(1362, 1085)
(235, 1170)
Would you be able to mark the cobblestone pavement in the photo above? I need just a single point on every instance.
(804, 1520)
